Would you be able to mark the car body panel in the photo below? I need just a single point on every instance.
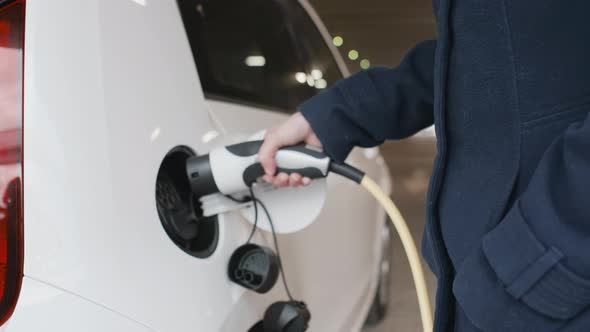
(46, 308)
(110, 88)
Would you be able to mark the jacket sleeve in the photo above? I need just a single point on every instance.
(533, 269)
(375, 104)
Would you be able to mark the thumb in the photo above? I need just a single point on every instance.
(268, 150)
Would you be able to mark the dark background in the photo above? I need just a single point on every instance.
(381, 30)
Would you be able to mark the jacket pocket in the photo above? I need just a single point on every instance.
(539, 133)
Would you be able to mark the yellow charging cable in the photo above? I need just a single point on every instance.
(409, 246)
(402, 229)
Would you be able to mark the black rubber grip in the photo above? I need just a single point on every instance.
(255, 171)
(245, 149)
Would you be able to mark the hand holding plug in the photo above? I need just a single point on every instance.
(293, 131)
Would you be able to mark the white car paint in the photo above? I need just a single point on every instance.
(46, 308)
(110, 88)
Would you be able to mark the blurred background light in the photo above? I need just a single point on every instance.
(338, 41)
(365, 64)
(353, 54)
(317, 74)
(301, 77)
(321, 84)
(255, 61)
(310, 81)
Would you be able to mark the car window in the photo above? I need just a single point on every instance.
(245, 51)
(320, 62)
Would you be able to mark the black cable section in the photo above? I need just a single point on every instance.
(349, 172)
(276, 245)
(243, 200)
(252, 198)
(246, 200)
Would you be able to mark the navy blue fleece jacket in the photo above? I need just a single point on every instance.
(507, 85)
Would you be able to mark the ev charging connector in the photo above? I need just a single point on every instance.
(233, 169)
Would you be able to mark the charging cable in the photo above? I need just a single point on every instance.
(398, 222)
(402, 229)
(255, 201)
(233, 169)
(276, 244)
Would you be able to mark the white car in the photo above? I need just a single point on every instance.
(99, 97)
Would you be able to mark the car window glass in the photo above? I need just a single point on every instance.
(246, 51)
(320, 62)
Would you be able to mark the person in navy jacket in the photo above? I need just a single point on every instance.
(507, 86)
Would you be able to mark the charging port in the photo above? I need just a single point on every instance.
(180, 211)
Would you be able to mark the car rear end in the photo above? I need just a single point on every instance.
(11, 142)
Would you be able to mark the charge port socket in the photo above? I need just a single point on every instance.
(180, 211)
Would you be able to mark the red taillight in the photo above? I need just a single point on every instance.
(12, 16)
(4, 33)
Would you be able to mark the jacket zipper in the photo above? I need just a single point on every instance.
(444, 296)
